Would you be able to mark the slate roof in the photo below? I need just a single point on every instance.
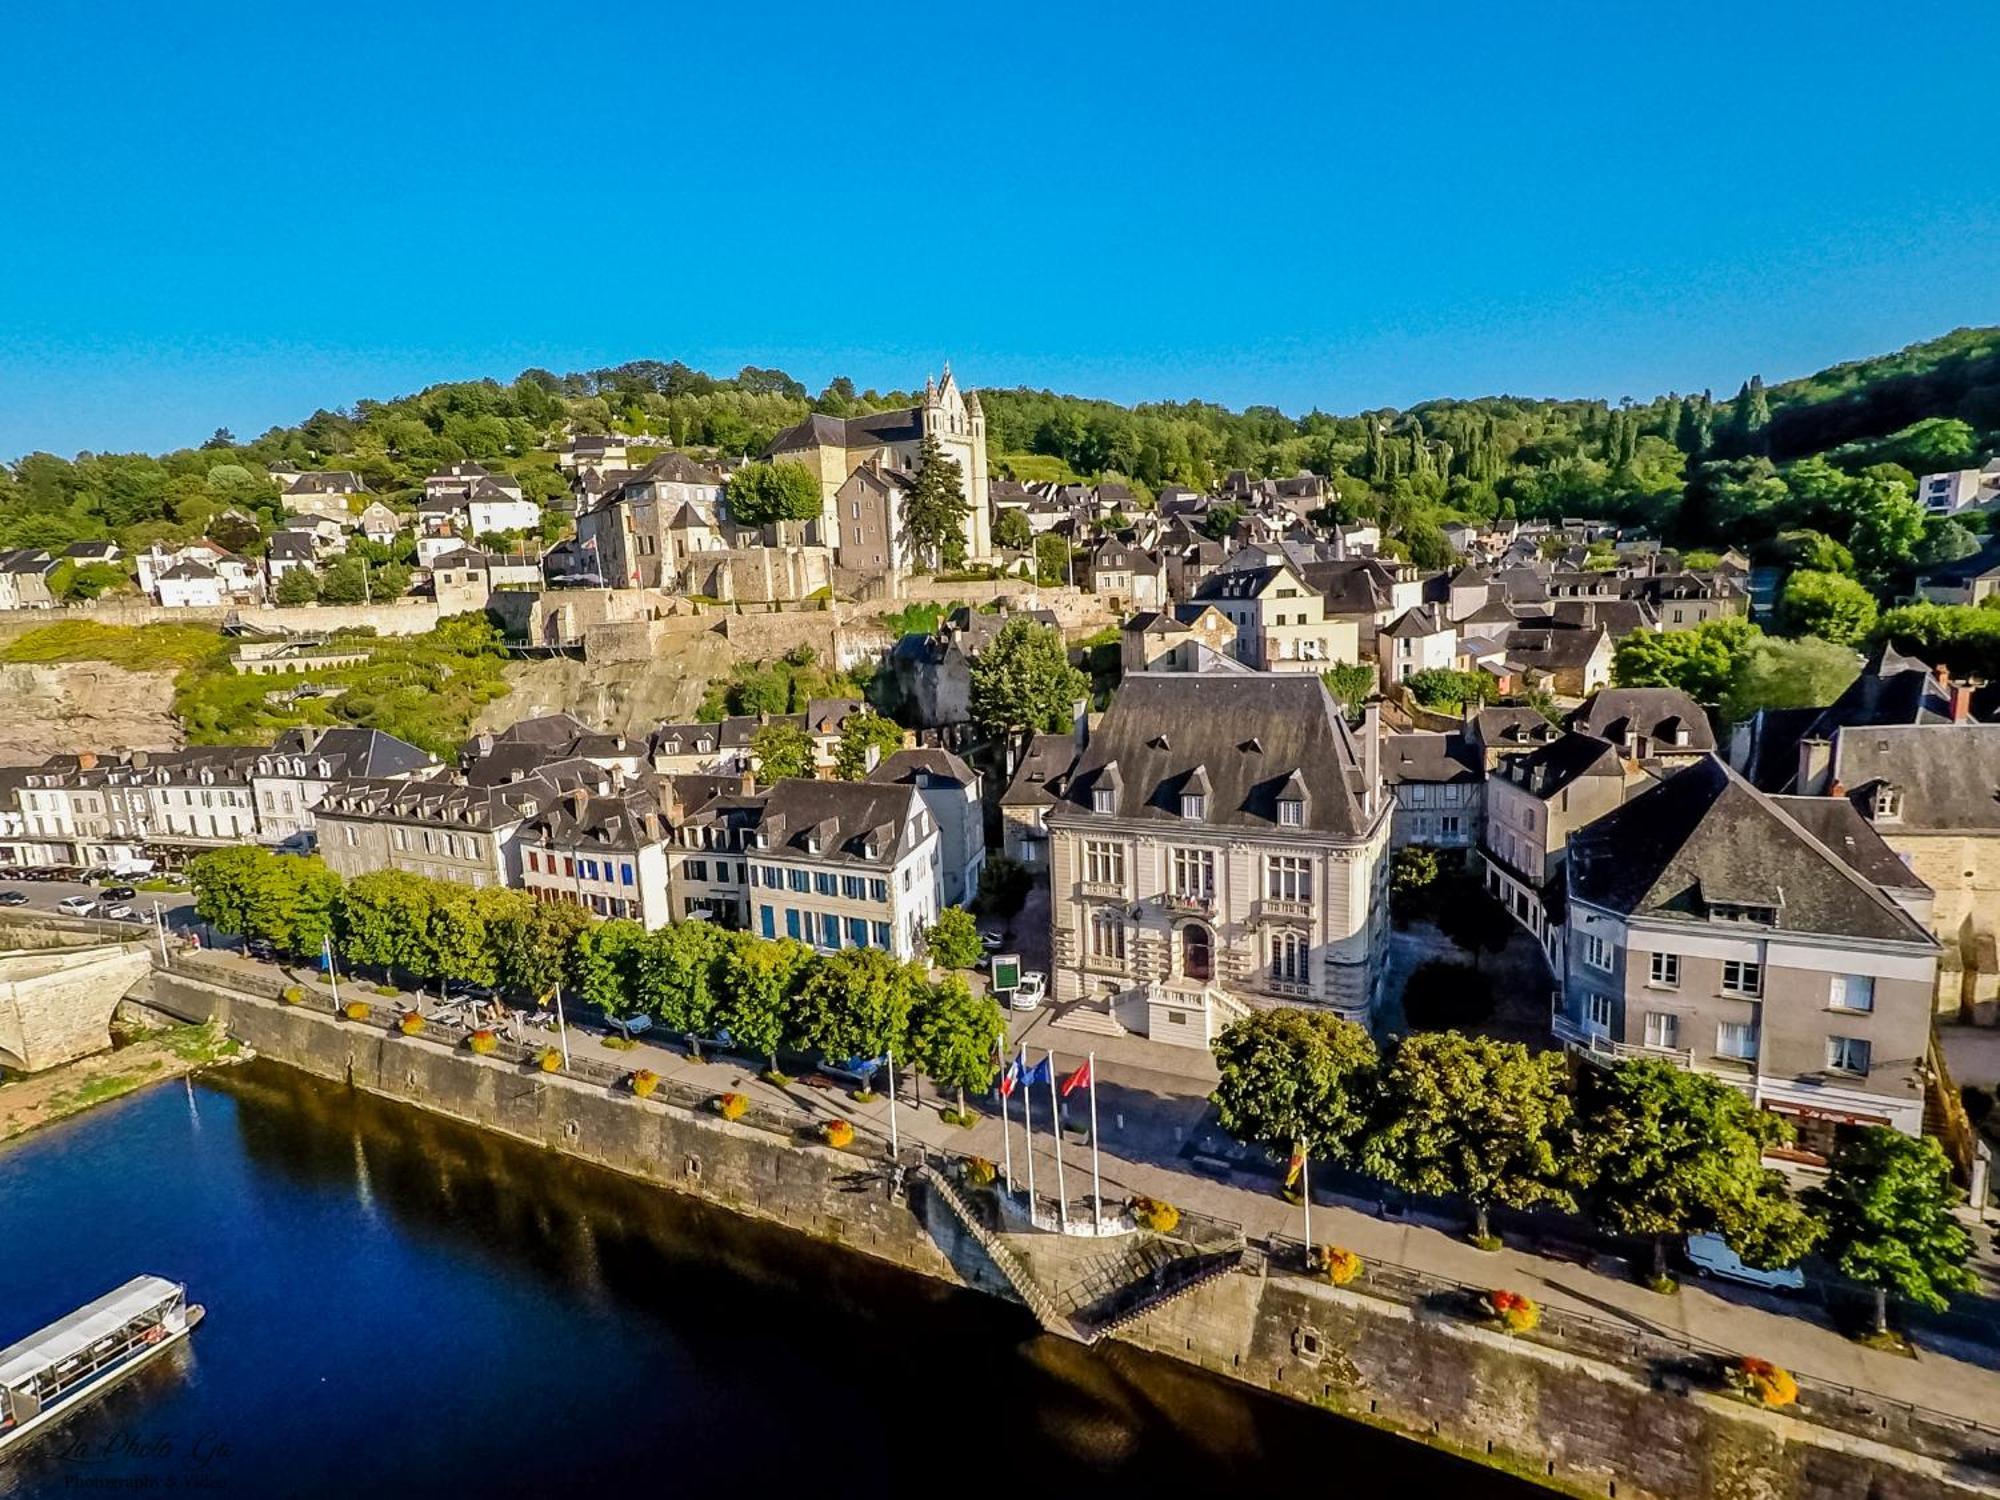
(1039, 777)
(1705, 836)
(1654, 712)
(1507, 729)
(1248, 734)
(1425, 619)
(1560, 763)
(821, 431)
(844, 815)
(1240, 583)
(1355, 587)
(353, 752)
(1421, 756)
(907, 764)
(1554, 649)
(1947, 776)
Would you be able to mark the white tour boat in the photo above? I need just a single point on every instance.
(78, 1357)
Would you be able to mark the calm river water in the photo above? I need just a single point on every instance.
(400, 1306)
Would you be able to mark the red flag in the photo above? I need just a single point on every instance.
(1009, 1078)
(1080, 1079)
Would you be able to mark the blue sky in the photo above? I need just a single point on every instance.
(219, 215)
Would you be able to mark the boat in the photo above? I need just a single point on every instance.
(77, 1358)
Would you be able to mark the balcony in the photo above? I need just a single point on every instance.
(1189, 903)
(1601, 1048)
(1101, 890)
(1272, 906)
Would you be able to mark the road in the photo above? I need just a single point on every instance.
(177, 907)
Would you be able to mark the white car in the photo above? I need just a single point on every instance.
(1032, 991)
(1711, 1256)
(77, 906)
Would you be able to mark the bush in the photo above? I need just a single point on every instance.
(954, 939)
(1153, 1214)
(733, 1106)
(619, 1043)
(1446, 689)
(356, 1010)
(837, 1134)
(550, 1061)
(483, 1041)
(293, 995)
(1338, 1265)
(1761, 1381)
(644, 1082)
(980, 1173)
(410, 1023)
(1514, 1311)
(1446, 996)
(387, 991)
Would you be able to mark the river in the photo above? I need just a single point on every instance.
(398, 1305)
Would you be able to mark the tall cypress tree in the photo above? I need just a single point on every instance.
(935, 508)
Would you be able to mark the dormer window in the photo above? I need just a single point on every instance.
(1888, 804)
(1292, 813)
(1194, 806)
(1104, 799)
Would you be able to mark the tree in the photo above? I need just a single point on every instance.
(534, 942)
(607, 964)
(296, 586)
(455, 944)
(1945, 541)
(1024, 680)
(954, 939)
(383, 917)
(760, 980)
(1011, 530)
(782, 749)
(935, 508)
(1052, 555)
(223, 881)
(1350, 685)
(1670, 1152)
(1470, 1115)
(1219, 520)
(1290, 1076)
(1447, 689)
(864, 739)
(680, 974)
(1413, 872)
(1805, 673)
(855, 1003)
(1826, 605)
(1887, 1202)
(760, 493)
(1701, 662)
(955, 1035)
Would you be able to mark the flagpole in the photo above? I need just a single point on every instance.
(1055, 1113)
(562, 1029)
(1096, 1182)
(332, 979)
(1028, 1132)
(1006, 1134)
(895, 1143)
(1306, 1195)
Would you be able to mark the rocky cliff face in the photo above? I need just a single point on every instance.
(45, 709)
(619, 696)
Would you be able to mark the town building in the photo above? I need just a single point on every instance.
(1535, 803)
(643, 530)
(290, 777)
(603, 851)
(1438, 782)
(1418, 640)
(1280, 624)
(845, 864)
(950, 790)
(24, 578)
(1180, 638)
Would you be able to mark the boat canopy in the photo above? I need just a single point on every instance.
(66, 1338)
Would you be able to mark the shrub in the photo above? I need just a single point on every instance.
(644, 1082)
(356, 1010)
(482, 1041)
(1761, 1381)
(1158, 1216)
(1514, 1311)
(387, 990)
(293, 995)
(410, 1023)
(619, 1043)
(837, 1134)
(550, 1061)
(732, 1106)
(1338, 1265)
(980, 1173)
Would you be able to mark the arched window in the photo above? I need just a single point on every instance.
(1197, 952)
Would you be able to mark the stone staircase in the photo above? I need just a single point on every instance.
(1004, 1260)
(1092, 1017)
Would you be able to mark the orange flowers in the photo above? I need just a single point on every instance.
(1514, 1311)
(644, 1082)
(409, 1023)
(837, 1134)
(483, 1041)
(1339, 1266)
(1156, 1215)
(355, 1010)
(732, 1106)
(1761, 1381)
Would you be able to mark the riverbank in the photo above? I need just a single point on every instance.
(143, 1055)
(1407, 1351)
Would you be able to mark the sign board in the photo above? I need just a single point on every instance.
(1006, 972)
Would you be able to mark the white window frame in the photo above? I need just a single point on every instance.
(1289, 956)
(1664, 971)
(1663, 1030)
(1747, 1028)
(1600, 952)
(1850, 1055)
(1106, 936)
(1103, 862)
(1743, 977)
(1854, 993)
(1193, 873)
(1288, 877)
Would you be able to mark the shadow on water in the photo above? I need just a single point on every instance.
(403, 1305)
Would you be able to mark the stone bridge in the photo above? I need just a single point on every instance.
(58, 989)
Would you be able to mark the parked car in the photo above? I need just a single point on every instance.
(992, 938)
(120, 913)
(1033, 990)
(1711, 1256)
(13, 898)
(77, 906)
(261, 950)
(119, 893)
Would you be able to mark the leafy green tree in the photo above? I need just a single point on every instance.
(1701, 662)
(782, 749)
(1219, 520)
(935, 508)
(1963, 638)
(1945, 541)
(296, 586)
(1447, 689)
(1805, 673)
(1671, 1152)
(223, 881)
(1887, 1202)
(1024, 680)
(1814, 551)
(681, 975)
(1289, 1076)
(1011, 530)
(760, 981)
(856, 1003)
(1473, 1116)
(1828, 606)
(384, 921)
(455, 943)
(1887, 532)
(954, 939)
(1350, 684)
(1003, 886)
(1052, 558)
(760, 493)
(608, 959)
(1413, 877)
(864, 739)
(534, 942)
(955, 1035)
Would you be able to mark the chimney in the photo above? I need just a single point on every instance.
(1836, 788)
(86, 760)
(1371, 754)
(1943, 675)
(746, 784)
(1961, 704)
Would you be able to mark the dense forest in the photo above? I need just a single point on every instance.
(1819, 470)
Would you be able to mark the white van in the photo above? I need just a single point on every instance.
(1711, 1256)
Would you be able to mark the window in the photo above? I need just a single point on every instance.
(1292, 813)
(1663, 1030)
(1289, 954)
(1598, 952)
(1103, 862)
(857, 932)
(1847, 1054)
(1665, 971)
(881, 932)
(791, 921)
(767, 921)
(534, 861)
(697, 869)
(829, 930)
(1103, 800)
(1597, 1012)
(825, 883)
(1194, 806)
(1741, 977)
(1107, 936)
(878, 890)
(1736, 1039)
(799, 880)
(1450, 826)
(1853, 992)
(1288, 877)
(1194, 873)
(853, 887)
(624, 874)
(774, 878)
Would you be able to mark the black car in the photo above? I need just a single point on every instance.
(13, 898)
(260, 950)
(119, 893)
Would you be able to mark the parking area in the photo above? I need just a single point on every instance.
(176, 907)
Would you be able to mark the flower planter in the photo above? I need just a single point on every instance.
(483, 1042)
(292, 995)
(732, 1106)
(550, 1061)
(1760, 1381)
(1515, 1312)
(837, 1134)
(644, 1082)
(980, 1173)
(356, 1010)
(410, 1023)
(1337, 1265)
(1153, 1214)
